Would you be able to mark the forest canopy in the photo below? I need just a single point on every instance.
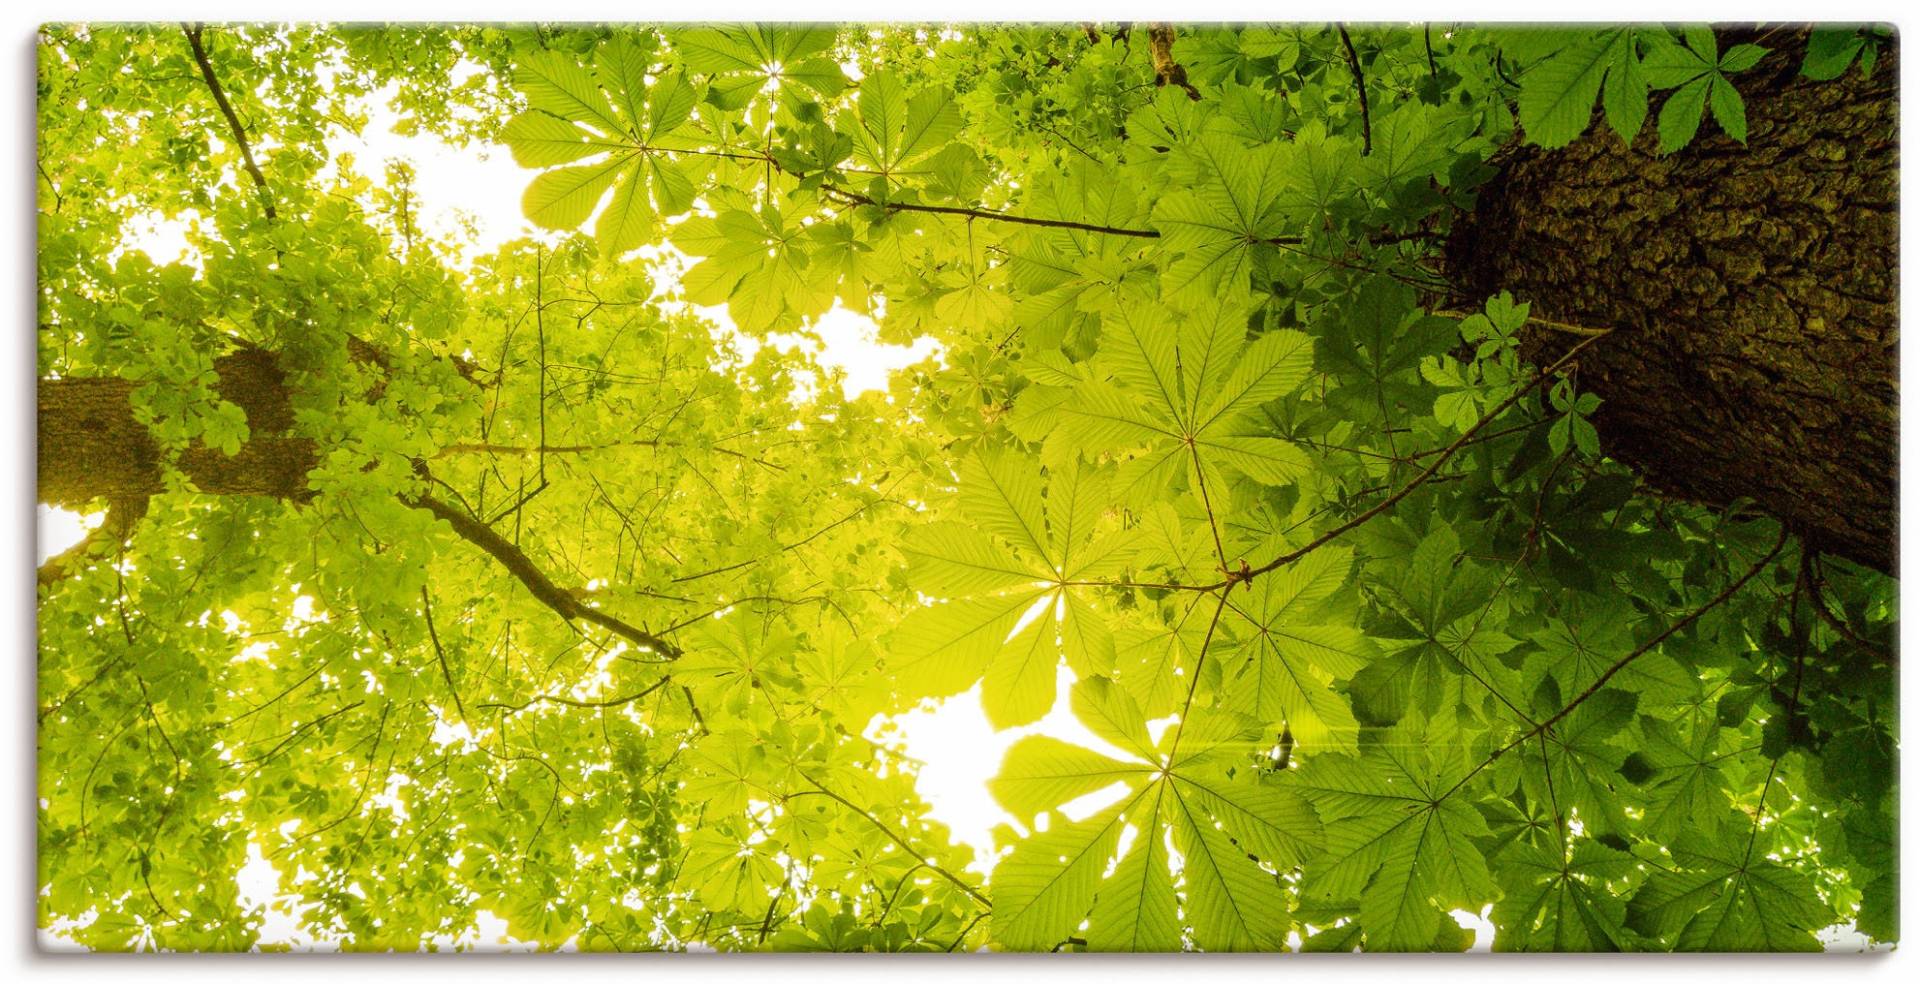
(1292, 424)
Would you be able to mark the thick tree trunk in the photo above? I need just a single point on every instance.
(1752, 292)
(91, 447)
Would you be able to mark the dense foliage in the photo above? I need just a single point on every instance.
(592, 621)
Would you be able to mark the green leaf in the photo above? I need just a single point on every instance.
(1729, 110)
(940, 650)
(1040, 772)
(1134, 910)
(1741, 57)
(757, 50)
(558, 84)
(951, 558)
(1560, 901)
(1680, 117)
(1722, 897)
(1111, 713)
(894, 129)
(539, 139)
(1625, 95)
(1830, 50)
(1233, 905)
(1019, 684)
(628, 221)
(1273, 366)
(1556, 102)
(1003, 496)
(1284, 671)
(564, 197)
(1043, 890)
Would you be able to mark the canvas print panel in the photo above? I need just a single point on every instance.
(1069, 487)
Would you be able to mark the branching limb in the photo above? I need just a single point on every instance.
(845, 196)
(1564, 327)
(1623, 662)
(571, 702)
(1199, 662)
(1686, 620)
(1819, 600)
(849, 197)
(440, 653)
(523, 449)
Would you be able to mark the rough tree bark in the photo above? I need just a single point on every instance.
(92, 447)
(1752, 291)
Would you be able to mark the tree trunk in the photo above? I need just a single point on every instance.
(91, 447)
(1752, 293)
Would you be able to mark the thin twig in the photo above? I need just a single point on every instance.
(855, 198)
(571, 702)
(433, 635)
(521, 449)
(1199, 662)
(1564, 327)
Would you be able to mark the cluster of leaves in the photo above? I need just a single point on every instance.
(1371, 628)
(1562, 71)
(1622, 66)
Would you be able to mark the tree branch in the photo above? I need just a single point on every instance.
(1359, 83)
(1640, 650)
(522, 450)
(193, 32)
(855, 198)
(440, 653)
(846, 196)
(563, 602)
(592, 704)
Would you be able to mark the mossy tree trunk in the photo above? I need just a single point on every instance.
(1752, 292)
